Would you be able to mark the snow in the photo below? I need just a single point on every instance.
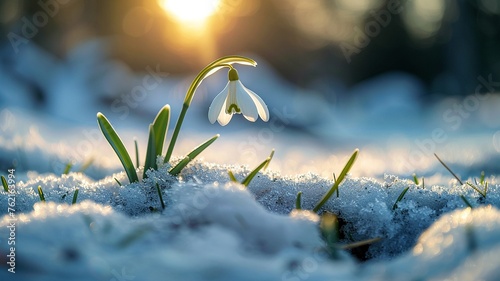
(224, 231)
(212, 229)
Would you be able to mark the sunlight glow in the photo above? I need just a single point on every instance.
(190, 11)
(424, 18)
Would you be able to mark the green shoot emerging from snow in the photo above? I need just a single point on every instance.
(466, 201)
(191, 155)
(485, 184)
(160, 195)
(75, 197)
(5, 185)
(67, 168)
(449, 170)
(253, 173)
(400, 197)
(298, 201)
(86, 165)
(117, 145)
(137, 164)
(40, 194)
(415, 180)
(341, 177)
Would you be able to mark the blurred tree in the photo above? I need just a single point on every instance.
(445, 43)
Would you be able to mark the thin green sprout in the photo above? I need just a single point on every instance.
(137, 164)
(335, 186)
(448, 168)
(334, 180)
(253, 173)
(177, 169)
(481, 178)
(117, 181)
(40, 194)
(75, 197)
(86, 165)
(298, 201)
(270, 156)
(207, 71)
(231, 176)
(466, 201)
(415, 179)
(150, 162)
(483, 193)
(117, 145)
(161, 196)
(400, 197)
(191, 155)
(360, 243)
(5, 185)
(157, 132)
(160, 125)
(67, 168)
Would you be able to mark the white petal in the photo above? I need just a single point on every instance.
(261, 105)
(224, 117)
(218, 105)
(246, 103)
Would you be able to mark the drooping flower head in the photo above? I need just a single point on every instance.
(236, 99)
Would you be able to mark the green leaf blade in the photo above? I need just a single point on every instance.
(195, 152)
(341, 177)
(40, 194)
(160, 126)
(67, 168)
(150, 162)
(231, 176)
(160, 196)
(298, 201)
(252, 174)
(75, 197)
(5, 185)
(400, 197)
(117, 145)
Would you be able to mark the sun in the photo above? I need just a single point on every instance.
(193, 12)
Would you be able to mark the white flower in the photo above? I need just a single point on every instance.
(235, 98)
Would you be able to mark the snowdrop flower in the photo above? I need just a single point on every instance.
(236, 98)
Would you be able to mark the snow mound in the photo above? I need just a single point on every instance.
(461, 245)
(365, 207)
(205, 240)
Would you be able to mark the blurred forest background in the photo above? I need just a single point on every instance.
(446, 44)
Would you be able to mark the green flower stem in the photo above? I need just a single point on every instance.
(207, 71)
(176, 132)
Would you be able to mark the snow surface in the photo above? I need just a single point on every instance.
(212, 229)
(217, 230)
